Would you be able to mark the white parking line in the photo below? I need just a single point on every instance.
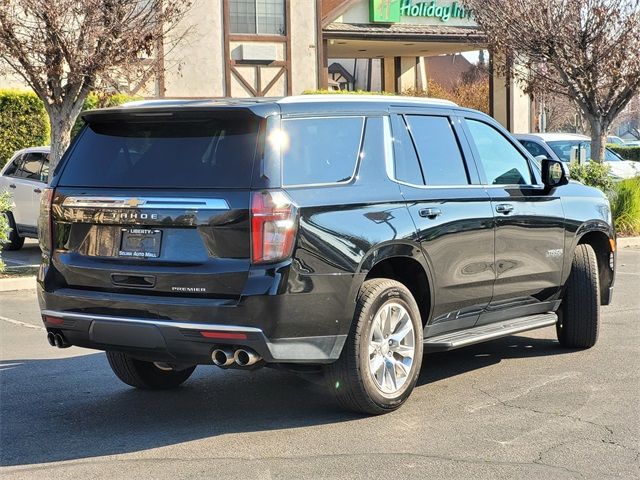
(22, 324)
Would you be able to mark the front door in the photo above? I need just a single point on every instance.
(529, 226)
(452, 214)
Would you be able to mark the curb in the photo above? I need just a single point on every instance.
(628, 242)
(17, 283)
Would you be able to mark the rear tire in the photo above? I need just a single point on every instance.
(395, 355)
(579, 320)
(145, 375)
(15, 241)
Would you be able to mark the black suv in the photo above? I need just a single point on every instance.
(343, 235)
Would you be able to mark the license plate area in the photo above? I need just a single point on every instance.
(140, 243)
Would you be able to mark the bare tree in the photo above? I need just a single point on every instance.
(586, 50)
(65, 48)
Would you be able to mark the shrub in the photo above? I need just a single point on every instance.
(625, 207)
(627, 152)
(594, 174)
(23, 123)
(99, 100)
(5, 205)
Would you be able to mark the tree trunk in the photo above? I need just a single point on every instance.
(62, 118)
(61, 126)
(598, 138)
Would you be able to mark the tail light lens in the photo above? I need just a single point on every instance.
(273, 226)
(44, 221)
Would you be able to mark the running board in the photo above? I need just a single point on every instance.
(483, 333)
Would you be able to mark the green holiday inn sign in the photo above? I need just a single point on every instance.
(391, 11)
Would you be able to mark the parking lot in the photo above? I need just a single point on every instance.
(520, 407)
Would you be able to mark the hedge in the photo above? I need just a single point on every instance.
(23, 122)
(627, 152)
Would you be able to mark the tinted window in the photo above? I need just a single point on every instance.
(502, 162)
(438, 149)
(13, 166)
(407, 168)
(30, 166)
(207, 153)
(320, 150)
(533, 148)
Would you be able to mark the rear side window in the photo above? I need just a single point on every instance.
(320, 150)
(175, 153)
(438, 150)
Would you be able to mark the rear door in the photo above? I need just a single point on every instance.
(529, 225)
(157, 206)
(451, 212)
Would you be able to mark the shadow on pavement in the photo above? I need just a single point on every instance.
(73, 408)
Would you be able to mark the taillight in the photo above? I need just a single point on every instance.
(273, 226)
(44, 221)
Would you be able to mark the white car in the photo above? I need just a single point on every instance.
(570, 146)
(24, 177)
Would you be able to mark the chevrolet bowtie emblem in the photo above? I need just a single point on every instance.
(133, 202)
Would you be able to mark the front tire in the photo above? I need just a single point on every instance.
(146, 375)
(381, 359)
(579, 320)
(15, 241)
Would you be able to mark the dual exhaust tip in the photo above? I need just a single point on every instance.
(57, 340)
(225, 357)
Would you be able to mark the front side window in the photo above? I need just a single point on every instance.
(261, 17)
(320, 150)
(13, 167)
(438, 150)
(502, 162)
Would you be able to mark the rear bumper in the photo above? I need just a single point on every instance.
(306, 327)
(183, 342)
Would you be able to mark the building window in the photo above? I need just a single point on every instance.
(261, 17)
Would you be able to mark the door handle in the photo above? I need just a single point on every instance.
(12, 185)
(505, 208)
(37, 190)
(430, 212)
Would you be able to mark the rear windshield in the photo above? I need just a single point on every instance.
(203, 153)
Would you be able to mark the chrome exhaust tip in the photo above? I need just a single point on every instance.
(60, 341)
(222, 357)
(246, 358)
(51, 338)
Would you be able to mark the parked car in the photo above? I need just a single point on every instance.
(615, 140)
(568, 146)
(632, 143)
(25, 176)
(320, 234)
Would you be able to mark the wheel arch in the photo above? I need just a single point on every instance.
(601, 238)
(405, 263)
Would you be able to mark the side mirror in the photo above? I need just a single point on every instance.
(554, 173)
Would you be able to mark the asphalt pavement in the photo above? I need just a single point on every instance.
(515, 408)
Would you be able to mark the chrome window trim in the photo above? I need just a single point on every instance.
(144, 321)
(325, 184)
(143, 203)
